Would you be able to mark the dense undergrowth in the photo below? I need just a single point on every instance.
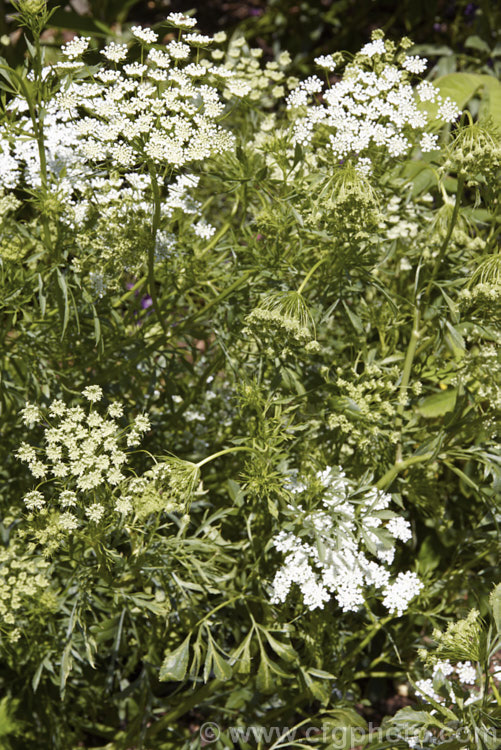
(250, 393)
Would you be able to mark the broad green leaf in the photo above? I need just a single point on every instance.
(175, 664)
(475, 42)
(438, 404)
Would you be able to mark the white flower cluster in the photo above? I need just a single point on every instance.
(343, 548)
(373, 105)
(165, 111)
(23, 578)
(466, 675)
(83, 459)
(154, 110)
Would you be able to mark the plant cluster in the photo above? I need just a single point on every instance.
(291, 286)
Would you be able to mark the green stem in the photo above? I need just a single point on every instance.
(310, 274)
(399, 466)
(448, 236)
(238, 282)
(377, 627)
(155, 223)
(406, 373)
(222, 453)
(219, 606)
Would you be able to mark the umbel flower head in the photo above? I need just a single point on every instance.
(169, 486)
(107, 130)
(343, 548)
(373, 108)
(282, 319)
(476, 150)
(461, 640)
(81, 461)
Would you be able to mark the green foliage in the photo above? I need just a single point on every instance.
(303, 332)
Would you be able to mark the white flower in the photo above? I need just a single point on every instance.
(427, 92)
(68, 499)
(238, 87)
(93, 393)
(34, 500)
(425, 688)
(142, 423)
(123, 505)
(445, 667)
(399, 594)
(364, 166)
(428, 142)
(115, 52)
(30, 414)
(415, 64)
(145, 35)
(400, 528)
(38, 469)
(57, 408)
(325, 61)
(448, 110)
(75, 47)
(95, 512)
(67, 522)
(466, 672)
(373, 48)
(178, 50)
(115, 410)
(204, 230)
(182, 21)
(135, 69)
(26, 453)
(198, 39)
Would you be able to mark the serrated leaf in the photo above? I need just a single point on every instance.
(175, 664)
